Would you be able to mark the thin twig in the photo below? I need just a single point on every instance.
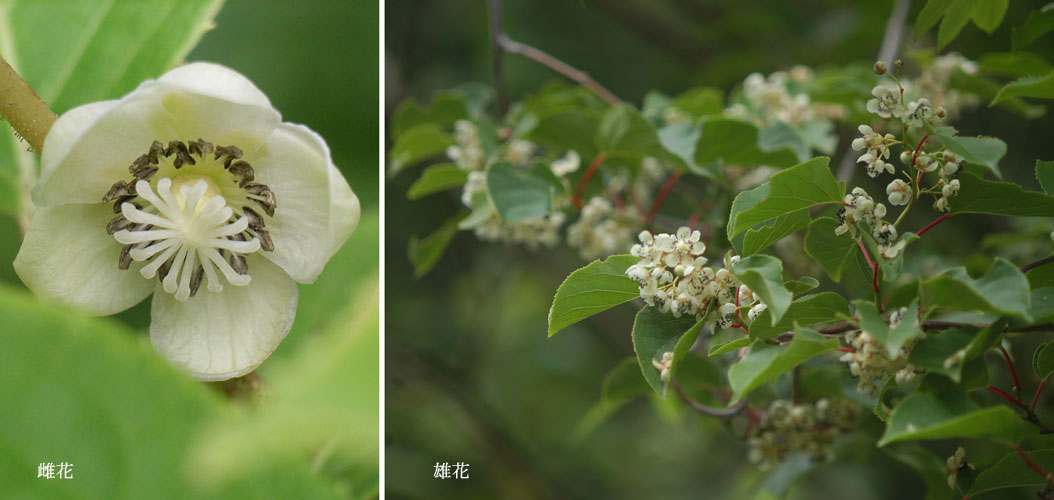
(836, 329)
(1013, 371)
(1036, 396)
(934, 223)
(497, 70)
(1005, 395)
(1028, 461)
(27, 113)
(576, 199)
(706, 409)
(1028, 267)
(665, 190)
(579, 76)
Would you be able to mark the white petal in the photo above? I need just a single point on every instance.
(90, 147)
(316, 209)
(220, 335)
(67, 256)
(216, 81)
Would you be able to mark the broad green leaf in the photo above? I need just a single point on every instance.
(889, 268)
(999, 198)
(1012, 472)
(1035, 87)
(892, 338)
(764, 275)
(417, 144)
(805, 311)
(831, 251)
(437, 178)
(933, 469)
(744, 201)
(1045, 175)
(780, 135)
(955, 19)
(624, 132)
(597, 287)
(1013, 64)
(1040, 277)
(482, 211)
(654, 334)
(986, 339)
(74, 53)
(700, 101)
(986, 89)
(446, 108)
(985, 151)
(571, 129)
(1003, 291)
(760, 238)
(764, 363)
(932, 352)
(624, 381)
(518, 195)
(949, 414)
(930, 14)
(1039, 23)
(798, 287)
(988, 15)
(86, 391)
(680, 140)
(802, 186)
(1043, 360)
(1042, 308)
(732, 142)
(729, 346)
(425, 253)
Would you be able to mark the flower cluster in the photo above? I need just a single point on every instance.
(877, 146)
(673, 276)
(468, 153)
(870, 362)
(859, 206)
(598, 233)
(780, 98)
(664, 365)
(956, 463)
(799, 428)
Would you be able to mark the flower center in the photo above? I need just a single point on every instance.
(196, 222)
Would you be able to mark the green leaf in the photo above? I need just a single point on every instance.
(760, 238)
(892, 338)
(985, 151)
(654, 334)
(933, 469)
(955, 19)
(446, 108)
(744, 201)
(425, 253)
(732, 142)
(1013, 64)
(729, 346)
(623, 382)
(930, 14)
(1012, 472)
(1043, 360)
(889, 268)
(764, 275)
(597, 287)
(437, 178)
(764, 363)
(949, 414)
(986, 339)
(988, 14)
(415, 145)
(986, 89)
(624, 132)
(780, 135)
(567, 130)
(518, 195)
(1002, 291)
(1039, 23)
(482, 211)
(798, 287)
(802, 186)
(833, 252)
(700, 101)
(805, 311)
(1045, 175)
(1042, 309)
(999, 198)
(1036, 87)
(680, 140)
(932, 352)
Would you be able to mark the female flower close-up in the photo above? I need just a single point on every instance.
(191, 188)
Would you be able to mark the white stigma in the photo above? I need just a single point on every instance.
(187, 228)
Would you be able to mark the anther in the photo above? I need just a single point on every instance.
(255, 220)
(145, 172)
(195, 280)
(116, 224)
(115, 191)
(122, 200)
(156, 149)
(200, 147)
(228, 151)
(265, 240)
(238, 263)
(244, 171)
(126, 257)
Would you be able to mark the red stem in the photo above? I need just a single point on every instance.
(872, 265)
(1001, 393)
(693, 220)
(934, 223)
(846, 349)
(1013, 371)
(917, 149)
(1036, 397)
(666, 187)
(577, 198)
(1028, 461)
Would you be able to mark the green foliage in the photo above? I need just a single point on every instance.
(1036, 87)
(999, 198)
(949, 414)
(805, 311)
(802, 186)
(1002, 291)
(955, 14)
(656, 333)
(1039, 23)
(425, 253)
(592, 289)
(519, 195)
(417, 144)
(1010, 472)
(985, 151)
(437, 178)
(833, 252)
(732, 142)
(764, 363)
(764, 275)
(892, 338)
(1043, 360)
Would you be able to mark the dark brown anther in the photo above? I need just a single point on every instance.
(122, 200)
(157, 149)
(243, 171)
(183, 158)
(116, 224)
(265, 240)
(141, 162)
(229, 151)
(195, 280)
(238, 263)
(268, 208)
(200, 147)
(115, 191)
(146, 172)
(255, 220)
(175, 147)
(164, 269)
(126, 257)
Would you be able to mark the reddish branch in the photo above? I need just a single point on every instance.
(934, 223)
(1036, 396)
(1028, 461)
(872, 265)
(1013, 371)
(577, 198)
(1003, 394)
(666, 187)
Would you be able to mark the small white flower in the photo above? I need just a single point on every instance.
(209, 187)
(569, 163)
(886, 102)
(951, 188)
(919, 112)
(899, 192)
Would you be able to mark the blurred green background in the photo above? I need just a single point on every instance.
(92, 392)
(470, 375)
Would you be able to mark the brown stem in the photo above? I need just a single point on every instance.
(665, 190)
(27, 113)
(509, 45)
(576, 199)
(1028, 267)
(1013, 371)
(1028, 461)
(706, 409)
(934, 223)
(841, 327)
(1036, 396)
(496, 56)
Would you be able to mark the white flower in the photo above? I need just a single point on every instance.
(919, 112)
(569, 163)
(886, 102)
(951, 188)
(209, 187)
(899, 192)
